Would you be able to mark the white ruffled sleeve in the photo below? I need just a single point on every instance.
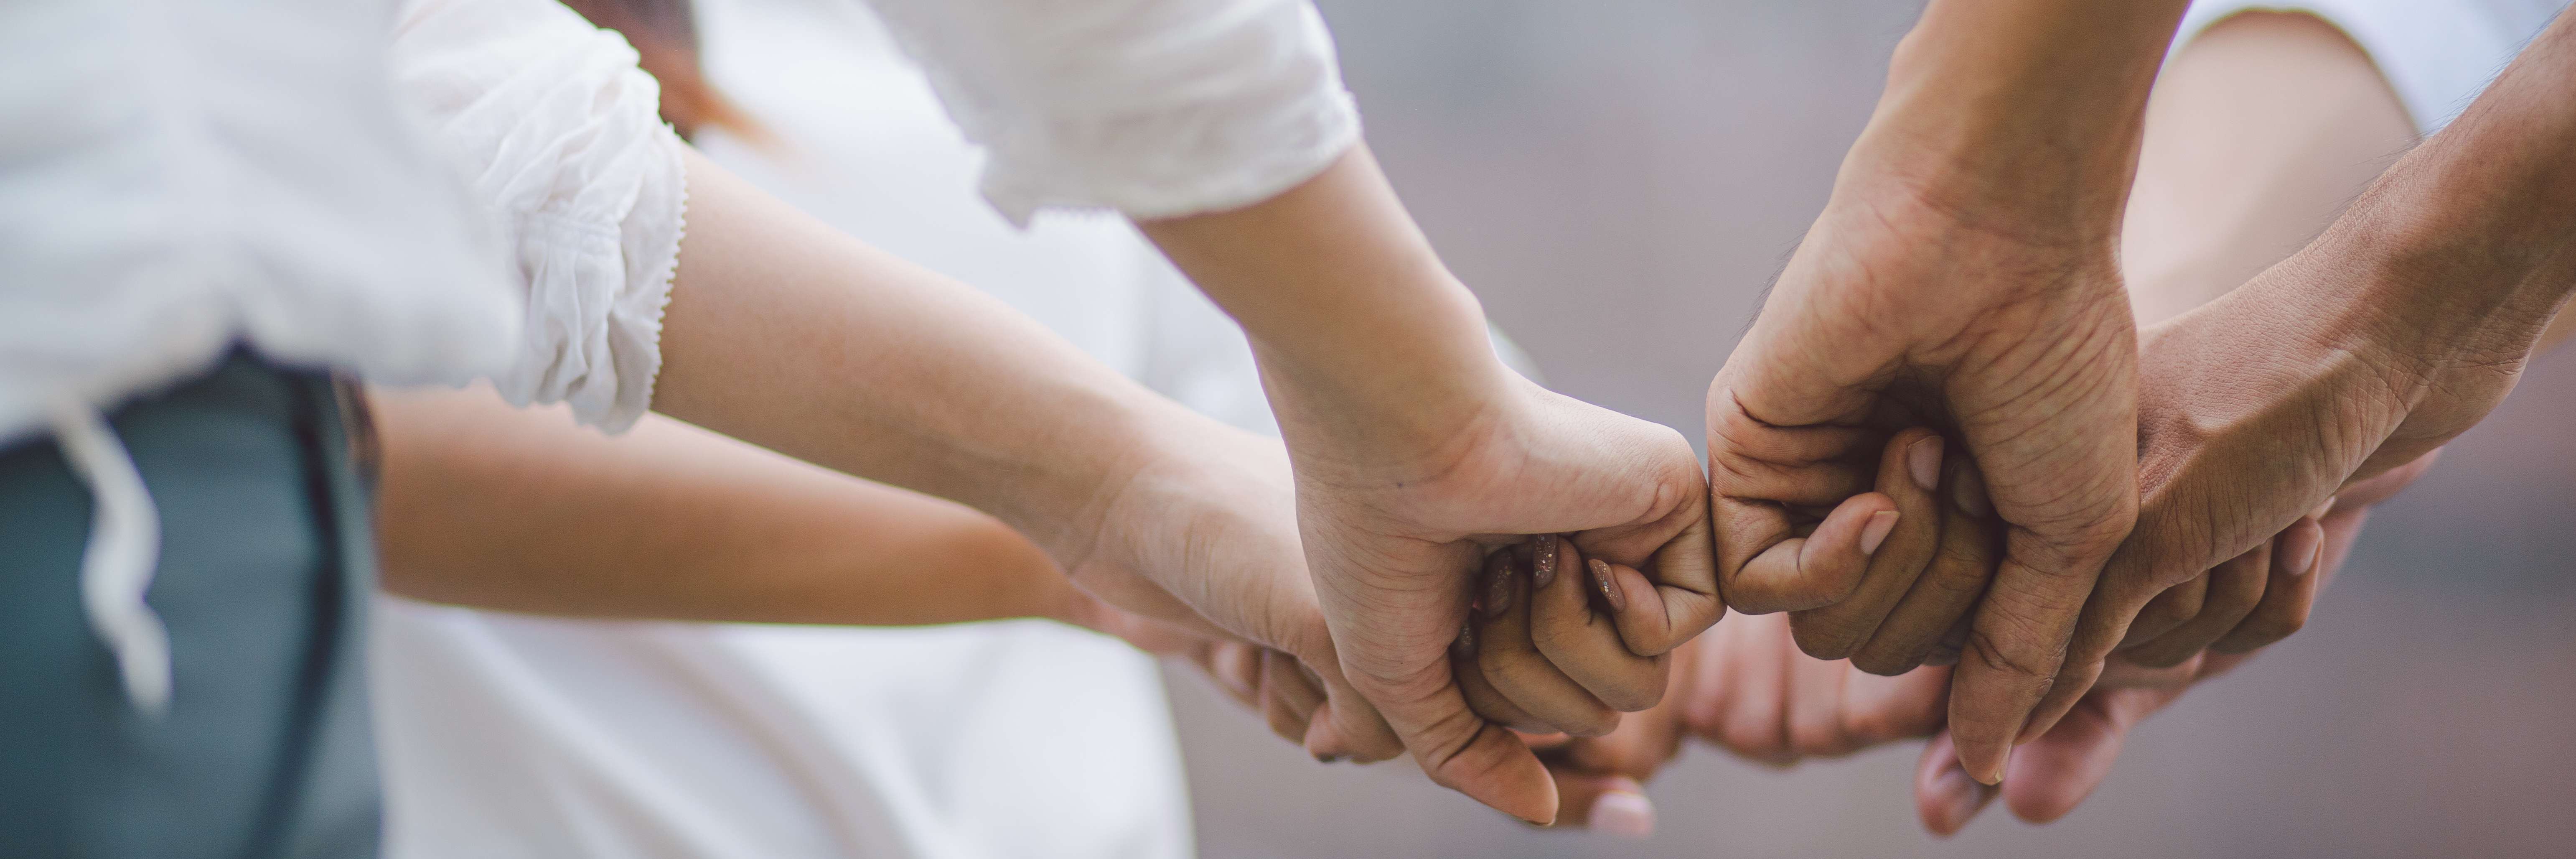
(1155, 108)
(558, 132)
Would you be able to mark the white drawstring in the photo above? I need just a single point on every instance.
(124, 549)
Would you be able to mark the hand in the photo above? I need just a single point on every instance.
(1196, 553)
(1541, 652)
(2048, 777)
(1746, 688)
(1396, 541)
(2290, 355)
(1900, 311)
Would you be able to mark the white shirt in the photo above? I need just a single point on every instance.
(2436, 54)
(509, 736)
(179, 179)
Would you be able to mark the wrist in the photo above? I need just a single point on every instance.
(2021, 114)
(1400, 386)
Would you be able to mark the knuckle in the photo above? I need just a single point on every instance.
(1985, 650)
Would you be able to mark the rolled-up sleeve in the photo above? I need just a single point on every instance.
(1154, 108)
(558, 132)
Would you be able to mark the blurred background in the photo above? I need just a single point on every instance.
(1619, 179)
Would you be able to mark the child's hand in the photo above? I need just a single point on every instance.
(1541, 653)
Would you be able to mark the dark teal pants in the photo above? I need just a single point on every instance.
(266, 562)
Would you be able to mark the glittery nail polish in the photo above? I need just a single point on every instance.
(1608, 585)
(1543, 570)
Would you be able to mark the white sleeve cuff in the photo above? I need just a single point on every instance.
(559, 133)
(2437, 56)
(1153, 108)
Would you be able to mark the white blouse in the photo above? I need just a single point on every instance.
(182, 179)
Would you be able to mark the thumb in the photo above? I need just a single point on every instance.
(1459, 750)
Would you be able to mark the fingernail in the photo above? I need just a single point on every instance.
(1875, 533)
(2002, 761)
(1961, 798)
(2299, 548)
(1465, 646)
(1330, 759)
(1924, 460)
(1543, 570)
(1624, 815)
(1608, 585)
(1498, 591)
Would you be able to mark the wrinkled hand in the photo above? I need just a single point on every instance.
(1396, 545)
(2254, 411)
(2049, 776)
(1900, 311)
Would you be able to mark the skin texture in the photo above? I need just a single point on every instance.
(486, 505)
(2258, 134)
(785, 334)
(2399, 328)
(1962, 277)
(1417, 453)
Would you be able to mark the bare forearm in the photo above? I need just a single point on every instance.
(2048, 92)
(1360, 329)
(522, 510)
(789, 335)
(2466, 250)
(2258, 134)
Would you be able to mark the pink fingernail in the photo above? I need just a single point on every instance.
(1875, 533)
(1608, 585)
(1543, 570)
(2299, 549)
(1624, 815)
(1961, 798)
(1924, 460)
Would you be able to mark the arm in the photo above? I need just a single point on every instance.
(1963, 275)
(674, 522)
(787, 335)
(1417, 452)
(2414, 315)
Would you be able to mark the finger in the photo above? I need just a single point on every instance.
(2235, 588)
(1740, 704)
(1519, 672)
(1933, 617)
(1347, 726)
(1288, 700)
(1483, 698)
(1236, 666)
(1946, 653)
(1679, 598)
(2174, 607)
(2055, 773)
(1909, 474)
(2120, 673)
(2367, 493)
(1813, 465)
(1879, 710)
(1815, 707)
(1944, 796)
(1609, 804)
(1462, 752)
(2018, 645)
(2290, 591)
(1571, 623)
(1781, 572)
